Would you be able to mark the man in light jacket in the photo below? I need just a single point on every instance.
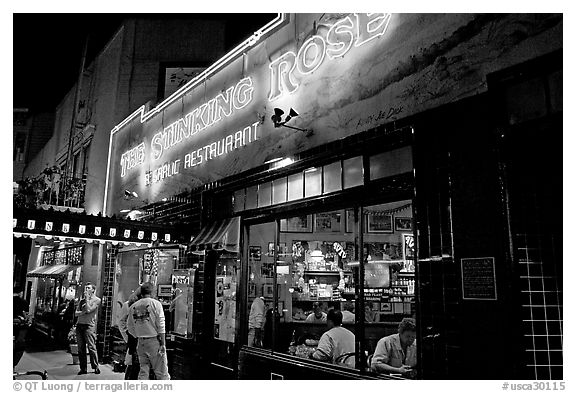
(256, 322)
(146, 322)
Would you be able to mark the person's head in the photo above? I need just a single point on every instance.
(317, 308)
(407, 331)
(334, 318)
(146, 289)
(89, 289)
(348, 306)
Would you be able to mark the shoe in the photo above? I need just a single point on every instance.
(82, 372)
(97, 371)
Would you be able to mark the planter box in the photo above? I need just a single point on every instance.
(74, 353)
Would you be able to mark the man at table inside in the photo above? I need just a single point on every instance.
(317, 316)
(396, 354)
(337, 345)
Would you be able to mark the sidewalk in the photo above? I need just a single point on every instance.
(58, 364)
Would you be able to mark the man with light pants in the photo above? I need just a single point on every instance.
(146, 322)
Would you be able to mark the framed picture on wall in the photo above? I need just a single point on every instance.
(255, 252)
(403, 223)
(296, 224)
(268, 290)
(164, 290)
(327, 222)
(379, 223)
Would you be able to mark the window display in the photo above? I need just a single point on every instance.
(312, 264)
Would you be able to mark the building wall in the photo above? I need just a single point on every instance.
(420, 62)
(33, 130)
(124, 76)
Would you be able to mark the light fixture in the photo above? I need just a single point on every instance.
(317, 253)
(277, 120)
(130, 194)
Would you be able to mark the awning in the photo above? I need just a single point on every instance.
(222, 236)
(52, 271)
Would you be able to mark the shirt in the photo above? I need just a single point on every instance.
(335, 343)
(256, 318)
(146, 318)
(348, 317)
(312, 318)
(88, 318)
(389, 351)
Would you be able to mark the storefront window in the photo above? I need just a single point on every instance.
(225, 305)
(314, 266)
(261, 254)
(135, 266)
(314, 275)
(389, 279)
(332, 177)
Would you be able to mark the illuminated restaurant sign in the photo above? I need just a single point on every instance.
(184, 140)
(357, 31)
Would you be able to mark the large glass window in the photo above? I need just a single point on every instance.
(389, 279)
(261, 254)
(302, 266)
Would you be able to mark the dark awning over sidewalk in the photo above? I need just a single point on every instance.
(222, 236)
(52, 271)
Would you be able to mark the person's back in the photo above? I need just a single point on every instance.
(343, 346)
(148, 317)
(338, 344)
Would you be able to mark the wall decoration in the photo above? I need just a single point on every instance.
(268, 290)
(327, 222)
(379, 223)
(255, 252)
(409, 249)
(282, 251)
(164, 290)
(296, 224)
(403, 223)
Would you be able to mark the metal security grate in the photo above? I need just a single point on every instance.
(542, 312)
(105, 320)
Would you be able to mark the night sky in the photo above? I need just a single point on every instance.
(48, 49)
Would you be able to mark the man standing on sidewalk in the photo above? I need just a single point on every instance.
(86, 329)
(146, 321)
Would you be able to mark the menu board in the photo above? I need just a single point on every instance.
(478, 278)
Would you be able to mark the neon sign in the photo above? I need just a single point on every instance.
(206, 115)
(132, 158)
(341, 36)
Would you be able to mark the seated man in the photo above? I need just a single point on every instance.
(397, 353)
(337, 345)
(317, 315)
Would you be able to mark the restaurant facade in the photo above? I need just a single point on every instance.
(385, 165)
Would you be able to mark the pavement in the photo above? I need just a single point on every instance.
(58, 364)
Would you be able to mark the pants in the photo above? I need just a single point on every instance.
(133, 370)
(85, 335)
(149, 357)
(255, 337)
(133, 365)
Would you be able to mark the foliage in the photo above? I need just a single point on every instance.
(72, 335)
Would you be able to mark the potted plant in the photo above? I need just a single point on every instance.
(73, 345)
